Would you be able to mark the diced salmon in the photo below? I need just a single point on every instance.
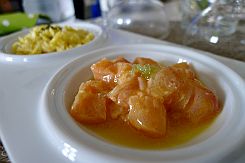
(169, 79)
(204, 105)
(110, 71)
(142, 84)
(90, 102)
(120, 59)
(104, 70)
(121, 93)
(183, 71)
(148, 115)
(164, 83)
(95, 86)
(123, 72)
(125, 77)
(181, 97)
(193, 102)
(176, 103)
(144, 61)
(89, 108)
(115, 111)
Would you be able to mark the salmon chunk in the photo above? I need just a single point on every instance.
(123, 72)
(89, 105)
(204, 104)
(164, 83)
(116, 111)
(95, 86)
(89, 108)
(109, 71)
(183, 71)
(148, 115)
(169, 79)
(144, 61)
(104, 70)
(121, 93)
(120, 59)
(192, 102)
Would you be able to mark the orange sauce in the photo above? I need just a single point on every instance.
(119, 133)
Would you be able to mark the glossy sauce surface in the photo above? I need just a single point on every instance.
(119, 133)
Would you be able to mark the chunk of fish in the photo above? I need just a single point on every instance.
(95, 86)
(121, 93)
(116, 111)
(148, 115)
(89, 105)
(89, 108)
(110, 71)
(164, 83)
(144, 61)
(192, 102)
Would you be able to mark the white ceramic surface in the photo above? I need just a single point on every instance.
(7, 54)
(66, 135)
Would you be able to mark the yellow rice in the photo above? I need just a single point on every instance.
(51, 38)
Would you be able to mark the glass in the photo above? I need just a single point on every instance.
(105, 6)
(215, 26)
(190, 10)
(146, 17)
(56, 10)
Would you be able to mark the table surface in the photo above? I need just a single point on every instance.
(232, 46)
(176, 36)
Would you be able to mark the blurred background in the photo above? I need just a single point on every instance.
(217, 26)
(83, 9)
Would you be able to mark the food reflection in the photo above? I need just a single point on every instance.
(145, 96)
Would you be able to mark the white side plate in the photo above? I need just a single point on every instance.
(6, 53)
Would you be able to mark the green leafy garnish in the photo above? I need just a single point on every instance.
(146, 70)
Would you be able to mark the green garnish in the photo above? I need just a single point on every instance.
(146, 70)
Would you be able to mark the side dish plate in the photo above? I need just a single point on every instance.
(7, 54)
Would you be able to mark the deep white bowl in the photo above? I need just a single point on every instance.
(213, 145)
(6, 43)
